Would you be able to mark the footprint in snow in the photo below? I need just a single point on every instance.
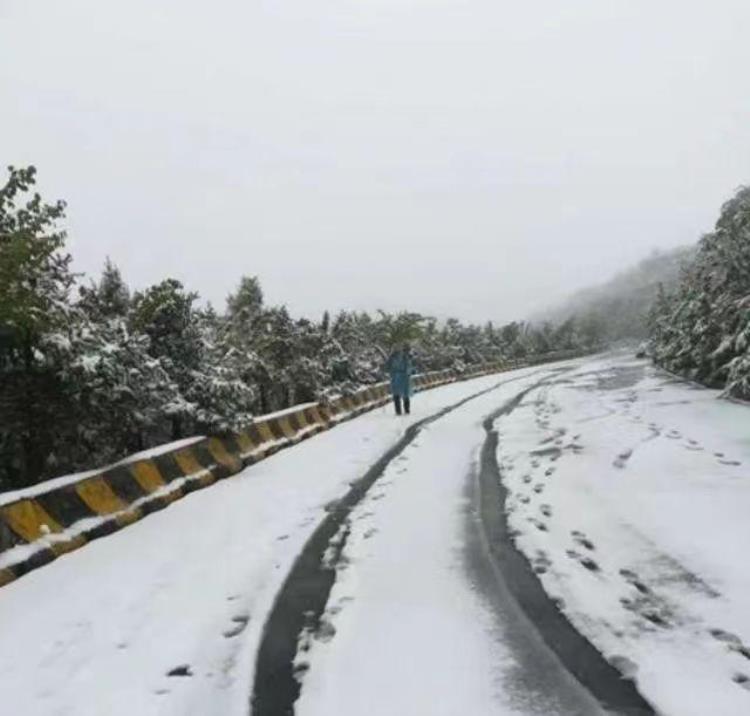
(742, 680)
(733, 642)
(581, 539)
(648, 613)
(525, 499)
(622, 459)
(240, 622)
(725, 636)
(731, 463)
(584, 561)
(546, 510)
(527, 479)
(632, 578)
(537, 523)
(589, 564)
(325, 631)
(539, 488)
(541, 562)
(181, 670)
(339, 607)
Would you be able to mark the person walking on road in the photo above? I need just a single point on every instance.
(401, 368)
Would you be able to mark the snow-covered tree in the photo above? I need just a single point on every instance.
(211, 393)
(109, 298)
(119, 396)
(701, 328)
(35, 280)
(84, 382)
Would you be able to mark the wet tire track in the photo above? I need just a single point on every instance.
(302, 600)
(578, 656)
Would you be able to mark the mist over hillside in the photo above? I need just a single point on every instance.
(618, 309)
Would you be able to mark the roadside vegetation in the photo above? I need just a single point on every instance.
(91, 370)
(700, 328)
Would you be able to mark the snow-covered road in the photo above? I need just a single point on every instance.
(406, 629)
(97, 631)
(628, 492)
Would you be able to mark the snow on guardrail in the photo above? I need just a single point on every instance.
(40, 523)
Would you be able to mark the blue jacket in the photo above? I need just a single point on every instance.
(401, 369)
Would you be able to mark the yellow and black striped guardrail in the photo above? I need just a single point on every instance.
(36, 530)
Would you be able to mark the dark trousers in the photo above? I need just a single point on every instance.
(397, 402)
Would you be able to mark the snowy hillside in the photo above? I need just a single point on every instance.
(619, 307)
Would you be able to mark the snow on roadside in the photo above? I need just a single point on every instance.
(629, 492)
(399, 607)
(185, 590)
(54, 483)
(404, 631)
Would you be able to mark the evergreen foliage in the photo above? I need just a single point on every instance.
(701, 329)
(88, 376)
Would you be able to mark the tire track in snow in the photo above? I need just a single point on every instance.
(516, 575)
(302, 600)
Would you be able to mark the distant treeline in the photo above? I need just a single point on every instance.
(92, 372)
(701, 327)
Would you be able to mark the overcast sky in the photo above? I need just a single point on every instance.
(476, 158)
